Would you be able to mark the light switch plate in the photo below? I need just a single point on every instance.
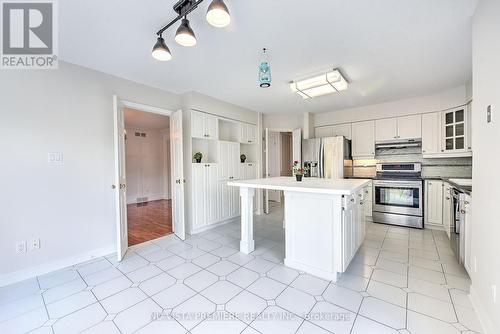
(55, 158)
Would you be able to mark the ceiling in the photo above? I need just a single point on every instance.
(145, 120)
(388, 50)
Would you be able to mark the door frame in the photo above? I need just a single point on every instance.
(121, 104)
(266, 148)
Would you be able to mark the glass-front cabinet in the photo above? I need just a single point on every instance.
(455, 130)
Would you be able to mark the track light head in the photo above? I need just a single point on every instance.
(160, 50)
(218, 14)
(185, 35)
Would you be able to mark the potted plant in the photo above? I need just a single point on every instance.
(243, 158)
(197, 157)
(298, 170)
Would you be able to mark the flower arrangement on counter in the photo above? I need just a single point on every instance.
(298, 170)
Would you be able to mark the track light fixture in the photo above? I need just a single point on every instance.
(217, 15)
(160, 50)
(185, 35)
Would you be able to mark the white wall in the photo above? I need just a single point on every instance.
(440, 101)
(71, 207)
(146, 165)
(282, 121)
(195, 100)
(486, 159)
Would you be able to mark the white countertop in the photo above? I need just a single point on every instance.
(307, 185)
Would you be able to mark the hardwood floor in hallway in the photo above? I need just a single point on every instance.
(147, 221)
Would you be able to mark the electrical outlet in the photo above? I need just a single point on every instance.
(35, 244)
(21, 247)
(494, 293)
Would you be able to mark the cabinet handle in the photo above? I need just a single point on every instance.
(462, 212)
(360, 202)
(423, 151)
(352, 200)
(442, 150)
(447, 198)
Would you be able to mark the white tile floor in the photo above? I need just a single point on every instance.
(401, 281)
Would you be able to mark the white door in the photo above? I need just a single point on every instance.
(386, 129)
(120, 179)
(410, 127)
(274, 163)
(177, 171)
(297, 145)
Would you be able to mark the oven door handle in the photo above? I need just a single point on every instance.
(397, 184)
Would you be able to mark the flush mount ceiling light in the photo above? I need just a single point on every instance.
(217, 15)
(328, 83)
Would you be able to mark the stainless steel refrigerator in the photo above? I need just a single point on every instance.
(328, 157)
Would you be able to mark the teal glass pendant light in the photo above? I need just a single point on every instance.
(264, 70)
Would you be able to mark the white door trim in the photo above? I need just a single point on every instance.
(119, 105)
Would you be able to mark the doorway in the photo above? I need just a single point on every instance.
(175, 158)
(147, 170)
(280, 159)
(282, 147)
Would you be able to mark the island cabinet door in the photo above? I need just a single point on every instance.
(349, 214)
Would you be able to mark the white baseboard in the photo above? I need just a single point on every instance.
(209, 227)
(23, 274)
(487, 324)
(433, 227)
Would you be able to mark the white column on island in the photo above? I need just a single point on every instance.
(247, 244)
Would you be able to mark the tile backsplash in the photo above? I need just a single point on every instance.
(437, 167)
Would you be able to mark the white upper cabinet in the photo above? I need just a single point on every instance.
(386, 129)
(324, 131)
(404, 128)
(454, 130)
(431, 134)
(363, 140)
(204, 125)
(410, 127)
(334, 131)
(342, 130)
(248, 133)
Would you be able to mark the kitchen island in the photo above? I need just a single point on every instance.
(324, 221)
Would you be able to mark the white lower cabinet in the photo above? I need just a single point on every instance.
(433, 209)
(368, 201)
(466, 216)
(205, 199)
(353, 227)
(447, 208)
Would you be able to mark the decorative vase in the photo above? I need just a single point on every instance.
(298, 177)
(198, 160)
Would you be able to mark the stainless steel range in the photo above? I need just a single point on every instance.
(397, 194)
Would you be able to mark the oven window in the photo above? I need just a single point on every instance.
(402, 197)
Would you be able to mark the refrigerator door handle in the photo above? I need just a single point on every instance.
(321, 161)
